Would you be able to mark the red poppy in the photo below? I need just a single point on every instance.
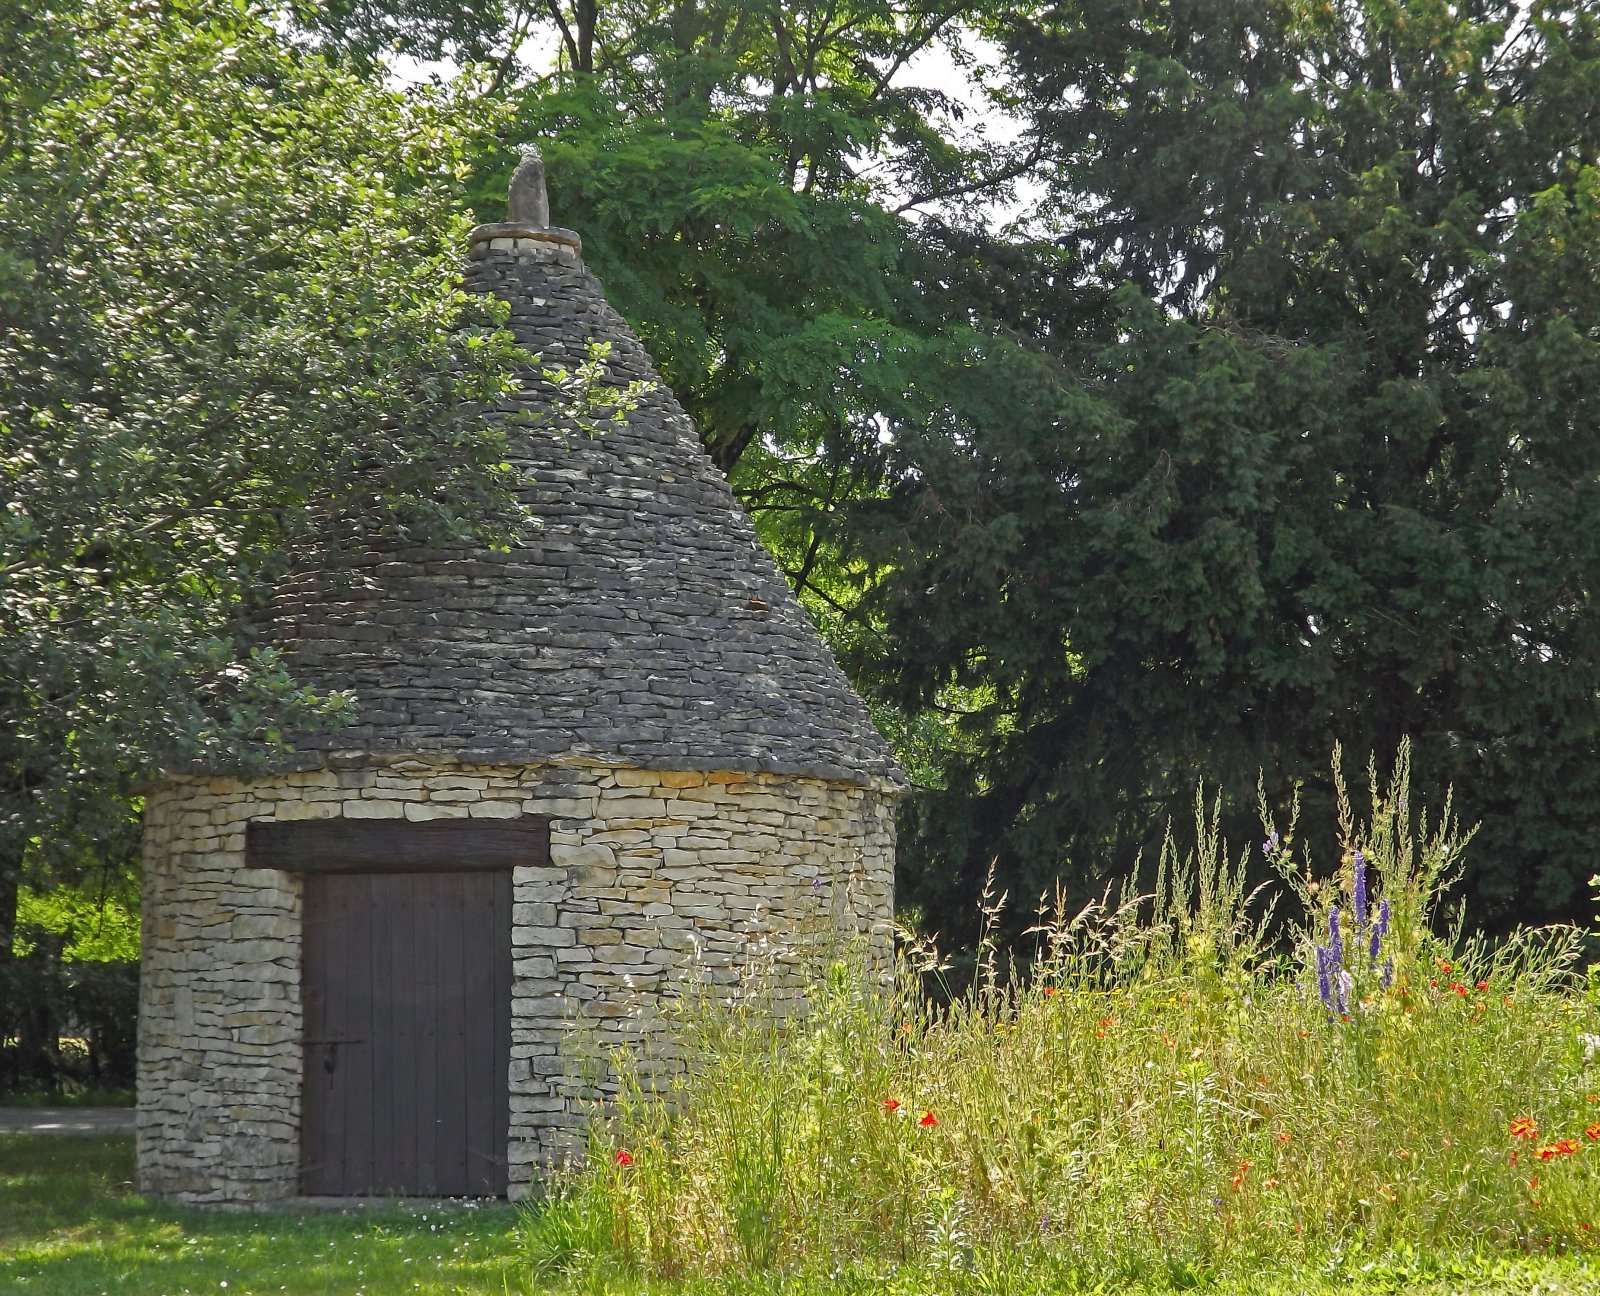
(1238, 1180)
(1483, 985)
(1459, 989)
(1523, 1127)
(1284, 1136)
(1445, 966)
(1592, 1133)
(890, 1106)
(928, 1119)
(624, 1159)
(1561, 1147)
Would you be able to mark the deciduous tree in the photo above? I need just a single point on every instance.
(231, 325)
(1325, 472)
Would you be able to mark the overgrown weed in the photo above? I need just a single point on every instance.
(1166, 1091)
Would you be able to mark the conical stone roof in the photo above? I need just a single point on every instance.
(641, 623)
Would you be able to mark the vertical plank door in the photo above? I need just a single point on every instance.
(407, 987)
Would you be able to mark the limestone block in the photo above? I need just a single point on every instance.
(600, 937)
(250, 927)
(547, 937)
(291, 811)
(586, 855)
(634, 778)
(422, 813)
(634, 808)
(560, 808)
(495, 810)
(365, 809)
(456, 782)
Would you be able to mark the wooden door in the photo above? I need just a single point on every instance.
(407, 990)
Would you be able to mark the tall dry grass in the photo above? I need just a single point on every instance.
(1165, 1089)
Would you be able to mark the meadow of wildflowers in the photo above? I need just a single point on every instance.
(1178, 1082)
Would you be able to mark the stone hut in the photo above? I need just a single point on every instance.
(579, 768)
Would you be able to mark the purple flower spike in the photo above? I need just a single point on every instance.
(1361, 890)
(1380, 929)
(1387, 979)
(1335, 941)
(1271, 844)
(1324, 977)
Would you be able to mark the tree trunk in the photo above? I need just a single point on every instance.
(10, 1005)
(39, 1026)
(28, 1008)
(10, 888)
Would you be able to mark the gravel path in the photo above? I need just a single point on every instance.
(67, 1120)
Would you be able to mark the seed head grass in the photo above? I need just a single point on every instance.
(1161, 1088)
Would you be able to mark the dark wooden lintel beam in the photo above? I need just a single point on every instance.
(398, 846)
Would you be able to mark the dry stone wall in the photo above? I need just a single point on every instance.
(654, 876)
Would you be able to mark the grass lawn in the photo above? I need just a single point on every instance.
(71, 1225)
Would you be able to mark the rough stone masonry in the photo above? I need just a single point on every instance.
(636, 669)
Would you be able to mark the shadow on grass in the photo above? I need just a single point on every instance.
(71, 1223)
(71, 1098)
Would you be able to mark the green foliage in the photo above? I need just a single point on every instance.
(92, 927)
(1311, 459)
(362, 31)
(1163, 1100)
(232, 330)
(746, 182)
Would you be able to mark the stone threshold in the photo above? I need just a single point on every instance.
(363, 1205)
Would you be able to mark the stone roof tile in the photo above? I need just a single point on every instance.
(640, 623)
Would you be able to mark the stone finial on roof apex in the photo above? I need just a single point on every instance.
(528, 202)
